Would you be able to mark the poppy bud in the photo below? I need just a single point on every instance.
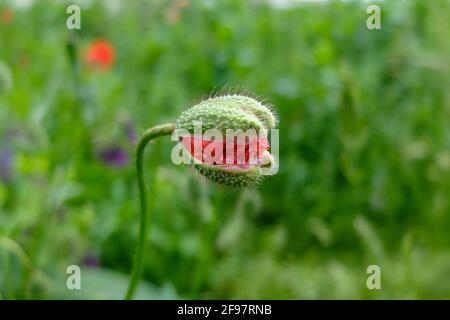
(237, 160)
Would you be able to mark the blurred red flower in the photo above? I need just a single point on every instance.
(6, 16)
(100, 53)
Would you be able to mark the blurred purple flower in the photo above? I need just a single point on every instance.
(6, 161)
(114, 156)
(130, 132)
(92, 260)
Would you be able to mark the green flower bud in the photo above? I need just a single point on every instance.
(235, 112)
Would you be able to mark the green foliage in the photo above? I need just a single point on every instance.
(364, 150)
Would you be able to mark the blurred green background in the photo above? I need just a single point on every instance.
(364, 150)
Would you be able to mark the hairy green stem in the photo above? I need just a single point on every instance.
(150, 134)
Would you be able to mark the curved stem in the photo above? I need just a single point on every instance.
(150, 134)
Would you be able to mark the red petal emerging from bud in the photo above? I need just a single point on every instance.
(231, 154)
